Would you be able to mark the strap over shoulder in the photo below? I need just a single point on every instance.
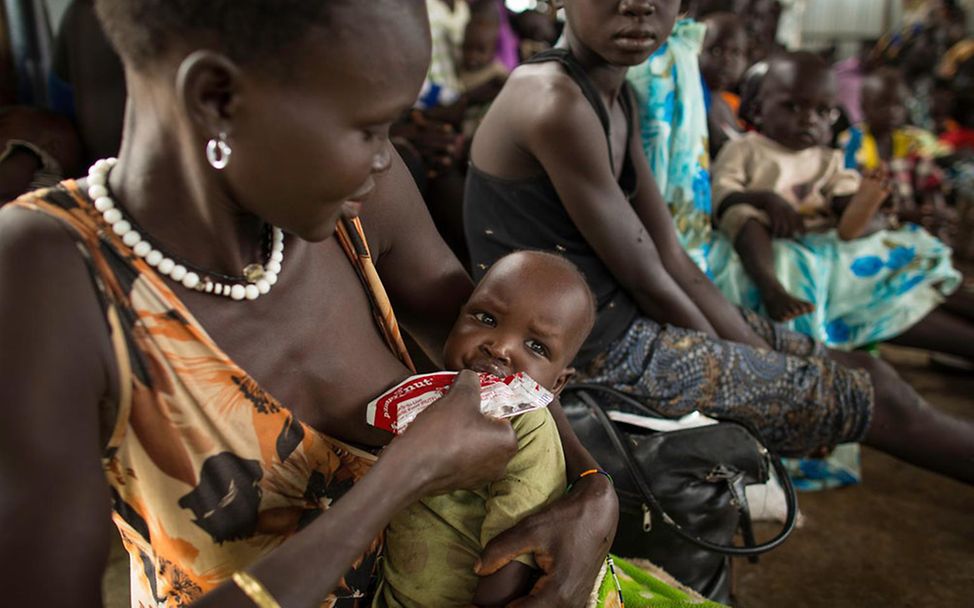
(352, 238)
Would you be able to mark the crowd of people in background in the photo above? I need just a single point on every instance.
(923, 125)
(898, 112)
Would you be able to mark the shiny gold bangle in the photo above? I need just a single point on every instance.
(253, 589)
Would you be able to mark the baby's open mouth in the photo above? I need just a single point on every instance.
(487, 366)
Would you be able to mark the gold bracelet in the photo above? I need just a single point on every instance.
(253, 589)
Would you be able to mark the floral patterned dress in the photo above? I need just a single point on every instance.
(207, 471)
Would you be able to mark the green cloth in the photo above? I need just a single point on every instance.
(432, 546)
(645, 586)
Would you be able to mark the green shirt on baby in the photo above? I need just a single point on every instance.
(431, 547)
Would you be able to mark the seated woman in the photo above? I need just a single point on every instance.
(216, 391)
(557, 165)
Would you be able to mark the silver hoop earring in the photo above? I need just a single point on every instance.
(218, 152)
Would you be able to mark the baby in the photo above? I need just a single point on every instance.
(783, 180)
(531, 313)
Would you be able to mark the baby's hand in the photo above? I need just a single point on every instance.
(861, 210)
(876, 184)
(786, 222)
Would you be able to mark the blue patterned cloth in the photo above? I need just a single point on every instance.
(674, 133)
(865, 291)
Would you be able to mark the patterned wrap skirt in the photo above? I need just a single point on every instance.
(794, 395)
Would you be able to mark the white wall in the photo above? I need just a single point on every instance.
(827, 20)
(56, 10)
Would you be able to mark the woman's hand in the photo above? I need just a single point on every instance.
(569, 540)
(456, 445)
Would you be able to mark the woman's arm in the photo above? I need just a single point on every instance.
(54, 502)
(56, 367)
(426, 283)
(652, 212)
(447, 447)
(563, 133)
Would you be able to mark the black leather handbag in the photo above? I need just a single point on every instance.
(681, 493)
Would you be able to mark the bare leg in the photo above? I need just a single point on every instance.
(753, 244)
(961, 303)
(942, 332)
(905, 426)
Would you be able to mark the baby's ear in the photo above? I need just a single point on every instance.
(566, 374)
(758, 116)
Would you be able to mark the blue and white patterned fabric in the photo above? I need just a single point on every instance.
(674, 133)
(865, 291)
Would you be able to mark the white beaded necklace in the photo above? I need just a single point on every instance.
(258, 278)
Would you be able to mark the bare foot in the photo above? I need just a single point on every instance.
(782, 306)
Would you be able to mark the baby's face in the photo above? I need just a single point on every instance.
(515, 324)
(798, 111)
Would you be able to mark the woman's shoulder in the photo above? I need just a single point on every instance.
(50, 219)
(543, 96)
(45, 279)
(28, 225)
(543, 81)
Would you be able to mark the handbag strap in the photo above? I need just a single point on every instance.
(622, 448)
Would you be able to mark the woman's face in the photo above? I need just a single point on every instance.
(622, 32)
(308, 145)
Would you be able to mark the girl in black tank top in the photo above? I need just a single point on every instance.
(505, 215)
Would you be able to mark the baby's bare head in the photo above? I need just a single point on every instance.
(531, 312)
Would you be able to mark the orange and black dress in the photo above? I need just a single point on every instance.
(207, 471)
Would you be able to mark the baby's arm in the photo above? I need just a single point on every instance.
(732, 186)
(864, 204)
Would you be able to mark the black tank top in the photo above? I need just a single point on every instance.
(506, 215)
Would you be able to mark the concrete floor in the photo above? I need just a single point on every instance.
(903, 539)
